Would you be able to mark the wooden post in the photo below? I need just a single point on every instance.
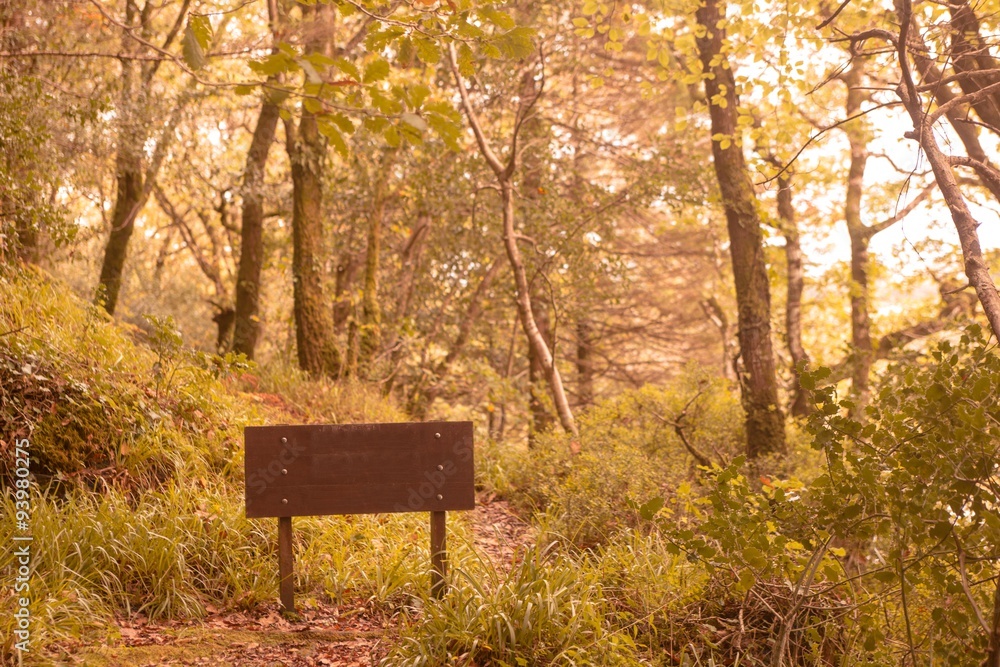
(286, 563)
(439, 554)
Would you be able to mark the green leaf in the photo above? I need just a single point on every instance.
(449, 130)
(275, 63)
(746, 582)
(376, 71)
(427, 50)
(392, 136)
(348, 68)
(201, 27)
(418, 92)
(375, 124)
(312, 105)
(330, 131)
(500, 19)
(384, 104)
(936, 392)
(342, 122)
(192, 50)
(650, 508)
(754, 557)
(466, 61)
(516, 43)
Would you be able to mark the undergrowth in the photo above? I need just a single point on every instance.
(137, 503)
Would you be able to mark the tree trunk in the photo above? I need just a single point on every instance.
(132, 188)
(317, 351)
(411, 257)
(503, 175)
(861, 338)
(247, 322)
(585, 362)
(535, 339)
(765, 422)
(971, 54)
(370, 339)
(128, 180)
(343, 301)
(128, 199)
(541, 418)
(313, 324)
(800, 404)
(966, 225)
(993, 656)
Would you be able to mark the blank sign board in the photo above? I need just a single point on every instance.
(358, 469)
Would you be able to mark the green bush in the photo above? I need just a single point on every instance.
(629, 451)
(890, 555)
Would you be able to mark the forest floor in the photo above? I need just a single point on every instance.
(324, 633)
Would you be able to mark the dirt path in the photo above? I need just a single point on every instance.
(325, 634)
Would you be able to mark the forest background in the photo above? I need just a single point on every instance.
(713, 280)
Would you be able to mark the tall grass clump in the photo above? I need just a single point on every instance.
(547, 610)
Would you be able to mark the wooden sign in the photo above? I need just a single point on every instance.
(358, 469)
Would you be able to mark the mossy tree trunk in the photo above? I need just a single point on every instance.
(370, 335)
(317, 351)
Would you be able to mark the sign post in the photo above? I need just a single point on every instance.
(321, 470)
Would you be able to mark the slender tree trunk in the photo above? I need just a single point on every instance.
(313, 324)
(411, 257)
(585, 362)
(503, 175)
(343, 302)
(716, 314)
(993, 657)
(317, 351)
(132, 187)
(800, 405)
(971, 56)
(370, 340)
(541, 418)
(860, 235)
(966, 225)
(765, 421)
(531, 331)
(28, 250)
(128, 180)
(247, 321)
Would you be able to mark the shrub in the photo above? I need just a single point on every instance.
(630, 449)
